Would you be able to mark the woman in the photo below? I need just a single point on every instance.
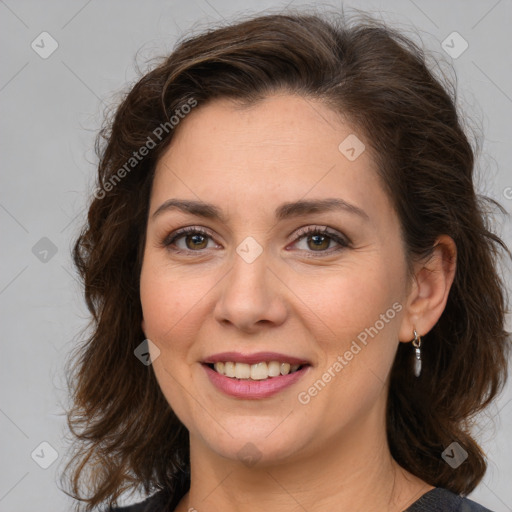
(294, 291)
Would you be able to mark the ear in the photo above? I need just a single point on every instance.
(429, 291)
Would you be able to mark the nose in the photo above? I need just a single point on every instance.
(250, 297)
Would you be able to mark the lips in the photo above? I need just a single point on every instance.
(247, 389)
(258, 357)
(254, 376)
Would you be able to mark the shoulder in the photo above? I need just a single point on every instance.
(158, 502)
(442, 500)
(166, 499)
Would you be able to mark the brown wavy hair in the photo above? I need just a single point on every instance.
(126, 435)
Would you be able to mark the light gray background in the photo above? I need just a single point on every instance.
(50, 111)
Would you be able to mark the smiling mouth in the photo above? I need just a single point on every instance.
(259, 371)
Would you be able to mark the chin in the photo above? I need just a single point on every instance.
(257, 441)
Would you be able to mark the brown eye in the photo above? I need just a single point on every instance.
(318, 242)
(197, 241)
(188, 239)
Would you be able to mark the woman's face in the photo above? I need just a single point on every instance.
(265, 275)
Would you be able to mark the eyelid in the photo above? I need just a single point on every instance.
(341, 239)
(315, 228)
(180, 232)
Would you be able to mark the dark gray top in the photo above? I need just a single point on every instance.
(436, 500)
(442, 500)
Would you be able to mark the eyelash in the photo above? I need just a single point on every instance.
(343, 241)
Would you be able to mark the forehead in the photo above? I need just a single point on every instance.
(281, 148)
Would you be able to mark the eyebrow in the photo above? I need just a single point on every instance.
(284, 211)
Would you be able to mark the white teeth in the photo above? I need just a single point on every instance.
(258, 371)
(242, 371)
(285, 368)
(229, 369)
(274, 369)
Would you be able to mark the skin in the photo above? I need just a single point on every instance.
(331, 453)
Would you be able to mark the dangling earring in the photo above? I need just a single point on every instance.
(416, 343)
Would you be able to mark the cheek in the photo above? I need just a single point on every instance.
(170, 300)
(362, 314)
(170, 307)
(349, 301)
(361, 311)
